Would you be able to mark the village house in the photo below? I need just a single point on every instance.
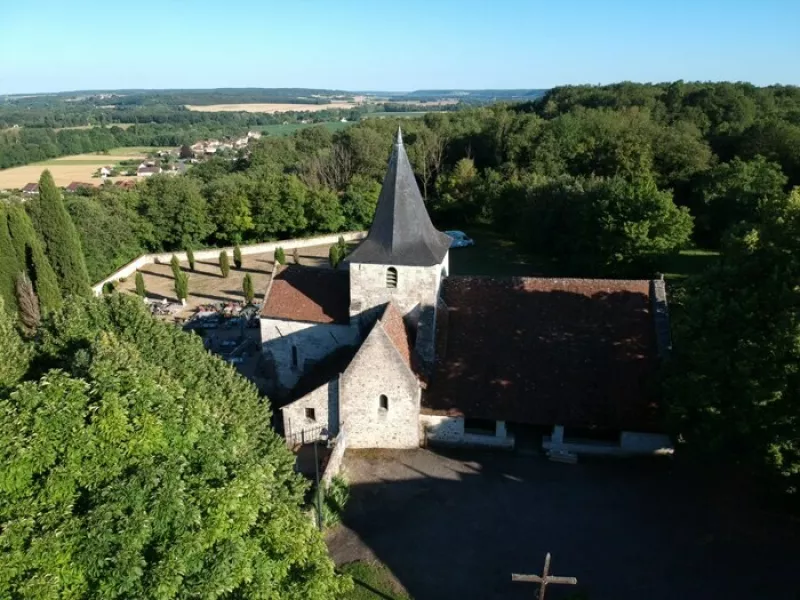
(397, 352)
(147, 170)
(75, 186)
(30, 189)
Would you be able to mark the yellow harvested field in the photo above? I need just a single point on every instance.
(63, 175)
(268, 108)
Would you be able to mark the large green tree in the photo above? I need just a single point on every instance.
(62, 244)
(734, 379)
(14, 354)
(177, 211)
(146, 468)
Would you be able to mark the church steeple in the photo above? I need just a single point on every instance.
(401, 232)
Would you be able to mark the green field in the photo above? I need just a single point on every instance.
(397, 115)
(688, 262)
(289, 128)
(372, 581)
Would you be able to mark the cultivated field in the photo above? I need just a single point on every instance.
(77, 167)
(268, 108)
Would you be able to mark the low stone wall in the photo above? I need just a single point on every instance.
(147, 259)
(334, 465)
(631, 444)
(445, 430)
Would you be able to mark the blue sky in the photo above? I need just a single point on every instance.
(55, 45)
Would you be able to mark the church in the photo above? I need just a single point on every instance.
(398, 353)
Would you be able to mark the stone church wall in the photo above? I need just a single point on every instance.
(415, 286)
(298, 428)
(379, 370)
(313, 341)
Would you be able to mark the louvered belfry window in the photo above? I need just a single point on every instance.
(391, 277)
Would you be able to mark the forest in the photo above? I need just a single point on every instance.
(609, 181)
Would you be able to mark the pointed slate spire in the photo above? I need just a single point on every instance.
(401, 231)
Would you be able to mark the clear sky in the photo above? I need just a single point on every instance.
(397, 45)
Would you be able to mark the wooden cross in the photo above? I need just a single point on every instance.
(545, 579)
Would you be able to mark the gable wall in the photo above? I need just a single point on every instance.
(325, 402)
(378, 369)
(314, 341)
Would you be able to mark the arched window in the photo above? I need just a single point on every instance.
(391, 277)
(383, 402)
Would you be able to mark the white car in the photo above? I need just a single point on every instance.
(460, 239)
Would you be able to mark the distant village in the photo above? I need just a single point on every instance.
(164, 162)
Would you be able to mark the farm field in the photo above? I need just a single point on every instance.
(397, 115)
(268, 108)
(289, 128)
(77, 167)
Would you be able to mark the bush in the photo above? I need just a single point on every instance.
(237, 257)
(224, 264)
(334, 255)
(280, 256)
(109, 287)
(190, 258)
(334, 500)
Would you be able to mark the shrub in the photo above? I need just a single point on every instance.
(334, 500)
(280, 256)
(237, 257)
(224, 264)
(175, 264)
(296, 255)
(334, 255)
(109, 287)
(190, 258)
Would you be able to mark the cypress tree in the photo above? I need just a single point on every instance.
(28, 303)
(140, 289)
(61, 242)
(247, 288)
(237, 256)
(14, 354)
(31, 258)
(182, 286)
(190, 258)
(224, 263)
(175, 264)
(9, 267)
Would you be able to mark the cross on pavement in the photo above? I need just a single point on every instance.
(545, 579)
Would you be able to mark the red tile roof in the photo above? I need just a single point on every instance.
(395, 328)
(310, 294)
(31, 188)
(574, 352)
(75, 185)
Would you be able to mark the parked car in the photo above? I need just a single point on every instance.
(460, 239)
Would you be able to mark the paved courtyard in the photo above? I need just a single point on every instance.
(456, 524)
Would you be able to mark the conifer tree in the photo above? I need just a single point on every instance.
(28, 303)
(280, 256)
(31, 258)
(14, 354)
(9, 267)
(61, 242)
(237, 257)
(140, 289)
(224, 263)
(247, 288)
(190, 258)
(182, 286)
(175, 265)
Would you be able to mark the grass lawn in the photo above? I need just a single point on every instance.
(279, 130)
(688, 262)
(372, 581)
(497, 255)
